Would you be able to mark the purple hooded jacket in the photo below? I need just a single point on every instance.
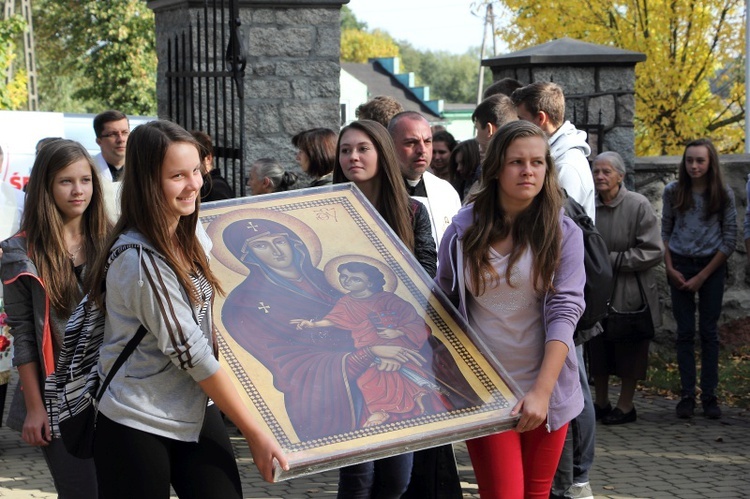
(561, 309)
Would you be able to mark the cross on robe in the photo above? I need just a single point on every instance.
(265, 308)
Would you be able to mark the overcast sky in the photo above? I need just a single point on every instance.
(448, 25)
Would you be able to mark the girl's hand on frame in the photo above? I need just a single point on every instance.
(533, 409)
(266, 452)
(36, 429)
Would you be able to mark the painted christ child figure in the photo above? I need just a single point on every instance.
(392, 391)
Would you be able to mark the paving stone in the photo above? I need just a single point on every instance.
(658, 457)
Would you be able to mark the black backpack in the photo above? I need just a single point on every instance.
(598, 288)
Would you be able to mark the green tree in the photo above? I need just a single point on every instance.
(451, 77)
(13, 94)
(96, 55)
(690, 44)
(350, 21)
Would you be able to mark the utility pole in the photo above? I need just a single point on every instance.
(29, 51)
(489, 21)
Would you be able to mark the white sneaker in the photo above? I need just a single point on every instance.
(579, 491)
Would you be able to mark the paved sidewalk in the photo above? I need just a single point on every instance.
(659, 456)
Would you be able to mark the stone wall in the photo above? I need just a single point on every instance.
(292, 81)
(601, 95)
(292, 76)
(651, 175)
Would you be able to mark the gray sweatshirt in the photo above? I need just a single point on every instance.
(156, 390)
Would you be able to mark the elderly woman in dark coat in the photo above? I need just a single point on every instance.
(629, 226)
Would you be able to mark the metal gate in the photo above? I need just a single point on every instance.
(205, 84)
(594, 131)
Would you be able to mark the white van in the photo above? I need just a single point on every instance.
(21, 130)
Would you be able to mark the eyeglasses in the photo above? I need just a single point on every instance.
(109, 135)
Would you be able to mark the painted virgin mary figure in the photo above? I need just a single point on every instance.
(316, 369)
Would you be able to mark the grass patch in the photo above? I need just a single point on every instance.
(663, 376)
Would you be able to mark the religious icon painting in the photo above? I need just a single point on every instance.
(337, 339)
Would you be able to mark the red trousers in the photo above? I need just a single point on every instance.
(512, 465)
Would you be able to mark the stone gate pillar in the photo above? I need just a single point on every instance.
(291, 79)
(599, 86)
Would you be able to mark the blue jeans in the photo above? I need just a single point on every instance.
(578, 452)
(710, 297)
(385, 478)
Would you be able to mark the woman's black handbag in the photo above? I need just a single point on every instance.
(629, 326)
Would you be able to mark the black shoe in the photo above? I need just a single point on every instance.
(619, 417)
(602, 412)
(686, 408)
(711, 408)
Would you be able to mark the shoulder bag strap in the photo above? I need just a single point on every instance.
(134, 341)
(618, 264)
(129, 348)
(616, 274)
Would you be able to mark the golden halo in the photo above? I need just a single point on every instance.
(332, 273)
(215, 230)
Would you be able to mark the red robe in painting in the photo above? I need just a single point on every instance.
(390, 392)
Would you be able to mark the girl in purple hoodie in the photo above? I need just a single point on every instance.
(513, 264)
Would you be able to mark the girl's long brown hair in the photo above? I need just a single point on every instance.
(145, 210)
(43, 223)
(393, 202)
(716, 192)
(537, 227)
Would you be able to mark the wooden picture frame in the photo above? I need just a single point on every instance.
(324, 320)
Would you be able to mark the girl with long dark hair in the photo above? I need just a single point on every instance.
(513, 265)
(155, 427)
(44, 266)
(699, 230)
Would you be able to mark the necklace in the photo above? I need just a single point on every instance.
(72, 253)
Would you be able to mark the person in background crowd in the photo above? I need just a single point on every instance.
(412, 137)
(505, 86)
(215, 187)
(43, 142)
(155, 412)
(366, 156)
(465, 168)
(44, 266)
(381, 109)
(443, 144)
(513, 265)
(699, 229)
(747, 229)
(627, 222)
(316, 154)
(112, 129)
(492, 113)
(267, 176)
